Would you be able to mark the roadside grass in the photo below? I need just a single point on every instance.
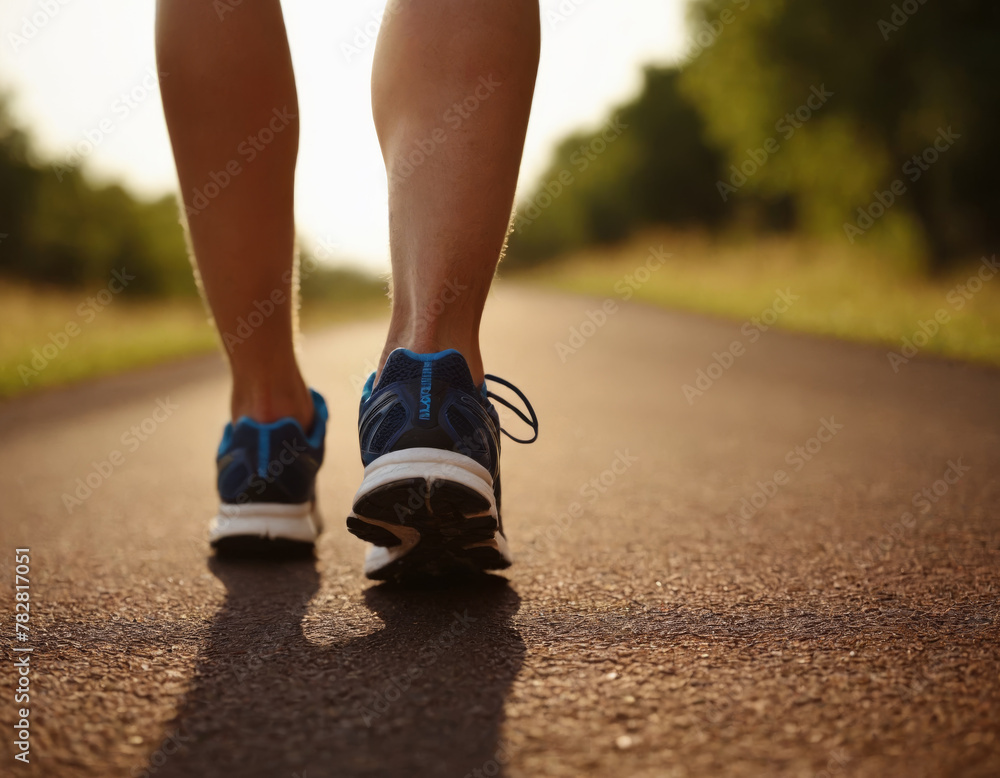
(852, 294)
(847, 293)
(127, 333)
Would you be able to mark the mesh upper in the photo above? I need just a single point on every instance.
(451, 369)
(458, 420)
(401, 392)
(398, 368)
(389, 426)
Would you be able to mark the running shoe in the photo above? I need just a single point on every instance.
(267, 485)
(430, 442)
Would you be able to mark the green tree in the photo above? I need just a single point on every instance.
(901, 74)
(649, 164)
(64, 230)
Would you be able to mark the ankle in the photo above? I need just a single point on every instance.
(266, 402)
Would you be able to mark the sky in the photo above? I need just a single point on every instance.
(84, 68)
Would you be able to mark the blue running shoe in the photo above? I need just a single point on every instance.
(430, 441)
(267, 485)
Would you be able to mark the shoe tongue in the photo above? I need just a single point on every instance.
(448, 366)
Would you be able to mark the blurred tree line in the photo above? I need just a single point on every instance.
(58, 228)
(846, 118)
(61, 229)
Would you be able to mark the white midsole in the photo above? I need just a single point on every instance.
(431, 464)
(277, 521)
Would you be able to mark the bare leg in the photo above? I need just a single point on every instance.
(451, 92)
(229, 82)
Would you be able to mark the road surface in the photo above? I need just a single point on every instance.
(842, 621)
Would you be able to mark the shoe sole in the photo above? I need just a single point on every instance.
(428, 512)
(265, 529)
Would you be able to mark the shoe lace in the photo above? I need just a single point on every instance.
(531, 422)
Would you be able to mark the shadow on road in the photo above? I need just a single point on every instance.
(422, 696)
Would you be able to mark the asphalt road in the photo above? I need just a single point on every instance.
(846, 624)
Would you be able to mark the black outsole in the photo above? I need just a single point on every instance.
(444, 513)
(428, 563)
(258, 547)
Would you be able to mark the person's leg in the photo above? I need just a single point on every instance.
(451, 92)
(231, 108)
